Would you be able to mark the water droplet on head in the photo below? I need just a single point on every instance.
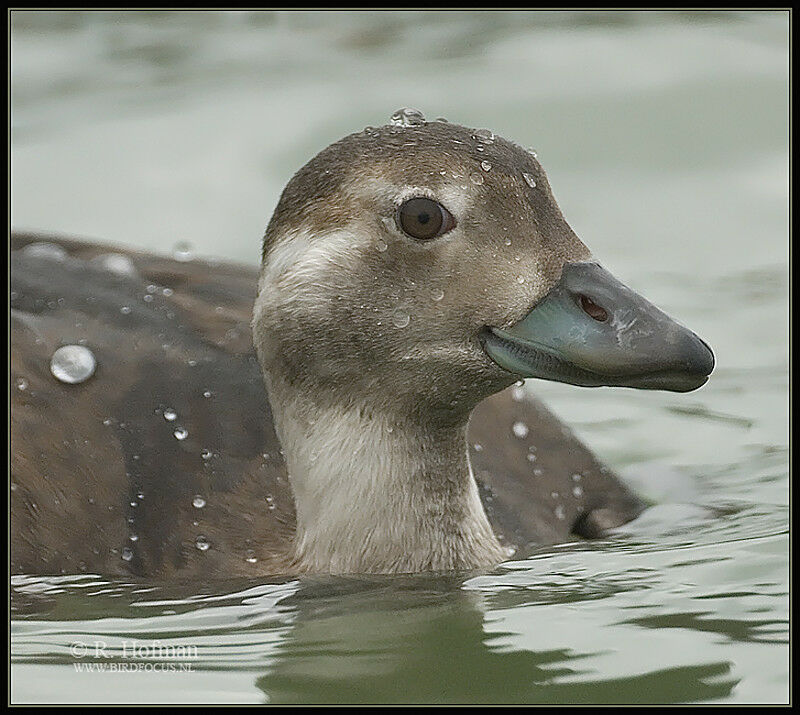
(207, 393)
(437, 294)
(576, 477)
(206, 454)
(270, 502)
(125, 309)
(560, 513)
(73, 364)
(531, 457)
(380, 245)
(134, 537)
(201, 543)
(198, 502)
(182, 251)
(478, 447)
(127, 554)
(520, 279)
(407, 117)
(520, 429)
(170, 415)
(486, 166)
(529, 180)
(181, 433)
(22, 383)
(401, 319)
(483, 135)
(476, 179)
(167, 292)
(577, 490)
(250, 556)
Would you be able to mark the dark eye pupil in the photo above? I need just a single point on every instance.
(423, 218)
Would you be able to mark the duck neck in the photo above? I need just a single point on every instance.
(375, 494)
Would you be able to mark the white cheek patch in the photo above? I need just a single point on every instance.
(302, 260)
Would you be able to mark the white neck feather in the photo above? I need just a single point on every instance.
(374, 496)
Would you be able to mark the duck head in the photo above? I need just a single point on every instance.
(425, 266)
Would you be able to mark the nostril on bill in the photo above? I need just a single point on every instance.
(591, 309)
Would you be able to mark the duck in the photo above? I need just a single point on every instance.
(356, 406)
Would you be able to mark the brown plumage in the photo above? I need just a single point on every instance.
(96, 463)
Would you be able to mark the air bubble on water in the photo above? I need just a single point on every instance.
(520, 429)
(45, 249)
(486, 166)
(198, 502)
(73, 364)
(201, 543)
(529, 180)
(407, 117)
(401, 319)
(183, 251)
(181, 433)
(170, 415)
(115, 263)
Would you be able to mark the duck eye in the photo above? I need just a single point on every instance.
(424, 218)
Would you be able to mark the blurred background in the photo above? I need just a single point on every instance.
(665, 138)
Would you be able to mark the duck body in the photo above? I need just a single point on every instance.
(96, 463)
(351, 408)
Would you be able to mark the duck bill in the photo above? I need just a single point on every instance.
(592, 330)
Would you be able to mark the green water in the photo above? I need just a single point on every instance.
(665, 137)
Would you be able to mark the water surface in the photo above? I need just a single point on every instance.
(665, 139)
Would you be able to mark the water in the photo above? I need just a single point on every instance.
(665, 139)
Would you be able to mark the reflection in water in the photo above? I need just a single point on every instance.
(418, 641)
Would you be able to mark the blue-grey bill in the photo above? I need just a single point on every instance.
(628, 343)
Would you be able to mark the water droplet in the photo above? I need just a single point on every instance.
(206, 454)
(577, 491)
(182, 251)
(576, 477)
(198, 502)
(201, 543)
(151, 288)
(22, 383)
(401, 318)
(115, 263)
(529, 180)
(250, 556)
(167, 292)
(531, 457)
(45, 249)
(537, 472)
(207, 393)
(560, 513)
(125, 309)
(108, 421)
(484, 135)
(170, 415)
(181, 433)
(533, 153)
(380, 246)
(442, 119)
(486, 166)
(73, 364)
(134, 537)
(554, 495)
(520, 429)
(437, 294)
(407, 117)
(147, 298)
(476, 179)
(478, 447)
(520, 279)
(127, 554)
(270, 502)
